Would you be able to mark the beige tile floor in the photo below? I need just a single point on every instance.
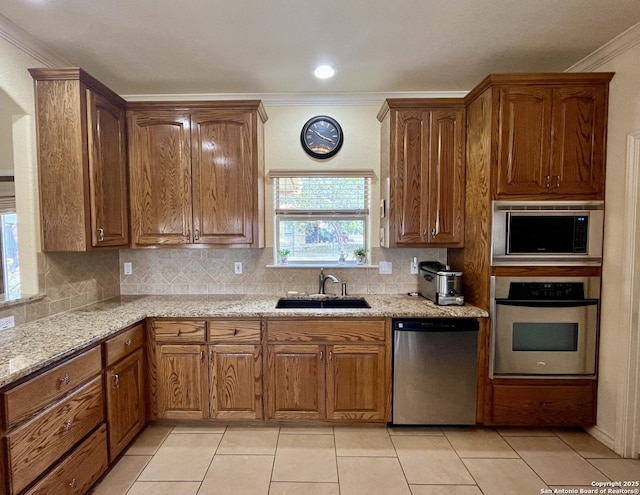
(272, 460)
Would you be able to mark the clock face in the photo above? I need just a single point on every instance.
(321, 137)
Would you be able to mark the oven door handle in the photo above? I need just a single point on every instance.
(548, 304)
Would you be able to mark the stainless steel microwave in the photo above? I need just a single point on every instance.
(547, 232)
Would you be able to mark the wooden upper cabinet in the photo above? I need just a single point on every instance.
(224, 176)
(81, 161)
(578, 139)
(446, 177)
(160, 177)
(524, 140)
(550, 134)
(422, 169)
(197, 173)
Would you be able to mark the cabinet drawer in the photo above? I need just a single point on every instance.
(79, 470)
(234, 331)
(37, 444)
(321, 330)
(544, 405)
(123, 344)
(179, 330)
(25, 399)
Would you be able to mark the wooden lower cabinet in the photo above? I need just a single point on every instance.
(37, 444)
(182, 384)
(125, 401)
(543, 402)
(235, 381)
(342, 374)
(355, 389)
(77, 473)
(296, 387)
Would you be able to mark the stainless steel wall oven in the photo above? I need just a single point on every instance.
(545, 325)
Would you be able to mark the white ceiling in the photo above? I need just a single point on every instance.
(272, 46)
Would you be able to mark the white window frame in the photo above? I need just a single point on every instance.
(321, 215)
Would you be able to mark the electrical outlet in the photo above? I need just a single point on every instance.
(237, 268)
(385, 268)
(127, 268)
(414, 266)
(7, 323)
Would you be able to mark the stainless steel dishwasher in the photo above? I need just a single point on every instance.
(435, 371)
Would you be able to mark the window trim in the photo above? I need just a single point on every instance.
(363, 214)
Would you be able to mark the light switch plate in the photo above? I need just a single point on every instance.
(385, 268)
(7, 323)
(237, 268)
(127, 268)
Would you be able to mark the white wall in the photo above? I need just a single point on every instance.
(623, 58)
(16, 82)
(360, 151)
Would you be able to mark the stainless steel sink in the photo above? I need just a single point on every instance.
(337, 303)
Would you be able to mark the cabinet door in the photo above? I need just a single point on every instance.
(446, 177)
(224, 176)
(296, 386)
(524, 138)
(125, 401)
(236, 381)
(410, 177)
(182, 382)
(578, 150)
(160, 177)
(356, 382)
(107, 172)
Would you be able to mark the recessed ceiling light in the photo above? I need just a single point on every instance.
(324, 72)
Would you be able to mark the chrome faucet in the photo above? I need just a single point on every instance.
(323, 279)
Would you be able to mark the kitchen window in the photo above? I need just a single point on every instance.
(320, 218)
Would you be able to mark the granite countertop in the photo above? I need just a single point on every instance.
(30, 347)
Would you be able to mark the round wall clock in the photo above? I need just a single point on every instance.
(321, 137)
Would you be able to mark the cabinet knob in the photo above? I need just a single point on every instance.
(433, 232)
(65, 380)
(128, 343)
(100, 235)
(116, 381)
(321, 355)
(548, 179)
(330, 355)
(557, 181)
(424, 234)
(196, 234)
(73, 483)
(67, 425)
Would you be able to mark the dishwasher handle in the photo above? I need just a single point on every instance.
(436, 325)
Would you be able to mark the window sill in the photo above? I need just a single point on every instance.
(321, 265)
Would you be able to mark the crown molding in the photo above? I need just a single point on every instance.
(606, 52)
(299, 99)
(28, 44)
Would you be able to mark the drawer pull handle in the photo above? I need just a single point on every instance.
(65, 380)
(67, 425)
(178, 333)
(73, 483)
(330, 355)
(321, 355)
(433, 232)
(235, 332)
(557, 181)
(116, 381)
(100, 235)
(128, 343)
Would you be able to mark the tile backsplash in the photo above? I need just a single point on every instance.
(211, 271)
(68, 281)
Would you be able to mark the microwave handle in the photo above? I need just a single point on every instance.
(548, 304)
